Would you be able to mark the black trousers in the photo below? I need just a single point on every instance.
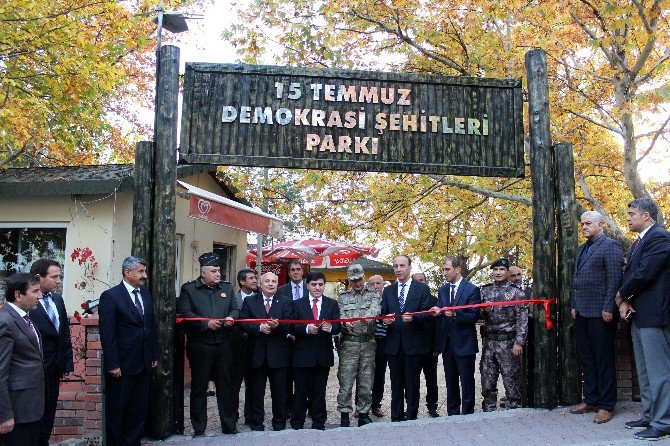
(405, 385)
(23, 434)
(277, 379)
(310, 382)
(242, 372)
(52, 378)
(380, 373)
(595, 343)
(429, 367)
(127, 403)
(215, 361)
(459, 368)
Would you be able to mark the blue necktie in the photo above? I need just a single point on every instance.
(401, 297)
(50, 310)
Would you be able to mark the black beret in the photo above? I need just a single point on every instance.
(500, 262)
(209, 259)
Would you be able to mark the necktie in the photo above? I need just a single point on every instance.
(32, 327)
(634, 247)
(267, 305)
(136, 293)
(296, 292)
(401, 297)
(315, 309)
(50, 311)
(453, 294)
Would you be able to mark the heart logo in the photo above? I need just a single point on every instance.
(204, 206)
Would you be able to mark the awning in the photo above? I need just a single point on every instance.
(207, 206)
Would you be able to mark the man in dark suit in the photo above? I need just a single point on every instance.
(247, 280)
(269, 350)
(456, 337)
(597, 277)
(22, 386)
(645, 294)
(429, 361)
(51, 320)
(313, 352)
(209, 343)
(407, 339)
(295, 289)
(130, 350)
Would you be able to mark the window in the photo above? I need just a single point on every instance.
(227, 260)
(21, 246)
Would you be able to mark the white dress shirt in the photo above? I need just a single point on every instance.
(132, 296)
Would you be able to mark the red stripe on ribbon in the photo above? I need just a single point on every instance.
(545, 302)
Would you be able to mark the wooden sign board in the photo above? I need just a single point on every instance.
(351, 120)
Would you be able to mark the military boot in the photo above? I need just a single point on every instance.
(344, 420)
(363, 419)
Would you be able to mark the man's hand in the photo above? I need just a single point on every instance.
(623, 309)
(291, 337)
(618, 299)
(449, 313)
(214, 324)
(312, 329)
(115, 372)
(326, 326)
(154, 364)
(265, 328)
(517, 350)
(607, 316)
(407, 318)
(349, 325)
(228, 322)
(435, 311)
(273, 323)
(573, 313)
(388, 320)
(7, 426)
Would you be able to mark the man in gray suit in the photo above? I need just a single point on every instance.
(248, 283)
(22, 389)
(597, 277)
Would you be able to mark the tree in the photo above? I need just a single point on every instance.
(608, 80)
(73, 74)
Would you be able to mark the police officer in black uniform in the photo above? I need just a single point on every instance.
(209, 346)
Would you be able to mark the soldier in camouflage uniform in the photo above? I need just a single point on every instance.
(357, 347)
(503, 337)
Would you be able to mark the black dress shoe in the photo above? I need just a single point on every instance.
(230, 432)
(318, 427)
(198, 434)
(257, 428)
(637, 424)
(344, 419)
(364, 419)
(651, 433)
(433, 413)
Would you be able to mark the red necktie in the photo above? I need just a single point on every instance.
(315, 309)
(267, 305)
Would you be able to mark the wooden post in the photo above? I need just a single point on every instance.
(160, 423)
(143, 200)
(568, 372)
(544, 225)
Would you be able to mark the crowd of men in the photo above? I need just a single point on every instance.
(286, 336)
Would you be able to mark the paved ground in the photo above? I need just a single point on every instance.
(513, 427)
(507, 427)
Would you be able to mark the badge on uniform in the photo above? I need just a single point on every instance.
(509, 295)
(223, 295)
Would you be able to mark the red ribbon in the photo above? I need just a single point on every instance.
(545, 302)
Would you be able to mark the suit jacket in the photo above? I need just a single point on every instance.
(129, 341)
(287, 290)
(236, 330)
(274, 347)
(312, 350)
(56, 345)
(198, 300)
(459, 330)
(22, 386)
(597, 277)
(409, 338)
(646, 279)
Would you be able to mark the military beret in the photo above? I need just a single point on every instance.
(500, 262)
(355, 272)
(209, 259)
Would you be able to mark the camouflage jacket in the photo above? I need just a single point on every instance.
(361, 304)
(505, 319)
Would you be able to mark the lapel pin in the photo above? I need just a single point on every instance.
(223, 295)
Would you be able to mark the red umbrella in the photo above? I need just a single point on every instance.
(318, 253)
